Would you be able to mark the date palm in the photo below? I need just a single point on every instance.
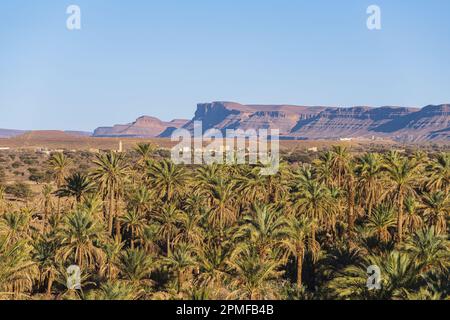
(380, 221)
(136, 266)
(134, 222)
(115, 291)
(398, 273)
(401, 173)
(190, 230)
(263, 227)
(145, 151)
(296, 235)
(181, 260)
(44, 252)
(77, 186)
(369, 169)
(221, 198)
(15, 226)
(313, 200)
(110, 174)
(439, 169)
(168, 179)
(252, 275)
(110, 267)
(168, 219)
(80, 240)
(324, 168)
(59, 164)
(213, 260)
(140, 200)
(340, 162)
(437, 210)
(413, 220)
(2, 199)
(17, 270)
(429, 249)
(46, 202)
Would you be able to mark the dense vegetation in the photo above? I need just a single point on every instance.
(140, 227)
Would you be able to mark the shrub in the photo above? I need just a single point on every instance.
(19, 190)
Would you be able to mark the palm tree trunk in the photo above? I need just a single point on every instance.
(58, 207)
(168, 245)
(132, 238)
(117, 223)
(111, 209)
(45, 217)
(50, 283)
(299, 269)
(400, 218)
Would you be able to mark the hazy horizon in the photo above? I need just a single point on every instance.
(161, 58)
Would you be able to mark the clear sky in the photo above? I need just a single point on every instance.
(162, 57)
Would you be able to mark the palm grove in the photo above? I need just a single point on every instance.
(141, 227)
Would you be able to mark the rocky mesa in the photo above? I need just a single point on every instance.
(143, 127)
(430, 123)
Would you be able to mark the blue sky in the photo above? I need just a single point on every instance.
(162, 57)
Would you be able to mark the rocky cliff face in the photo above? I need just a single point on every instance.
(302, 122)
(143, 127)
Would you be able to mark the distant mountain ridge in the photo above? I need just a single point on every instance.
(11, 133)
(302, 122)
(143, 127)
(430, 123)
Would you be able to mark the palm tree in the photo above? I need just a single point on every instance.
(413, 220)
(439, 173)
(214, 261)
(140, 200)
(77, 186)
(252, 275)
(60, 164)
(398, 273)
(340, 162)
(380, 221)
(190, 230)
(168, 179)
(110, 174)
(134, 222)
(2, 199)
(144, 150)
(369, 170)
(114, 291)
(15, 226)
(296, 234)
(263, 227)
(221, 199)
(324, 168)
(180, 260)
(17, 270)
(46, 202)
(44, 252)
(168, 219)
(437, 209)
(313, 199)
(429, 249)
(80, 240)
(113, 249)
(402, 174)
(136, 266)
